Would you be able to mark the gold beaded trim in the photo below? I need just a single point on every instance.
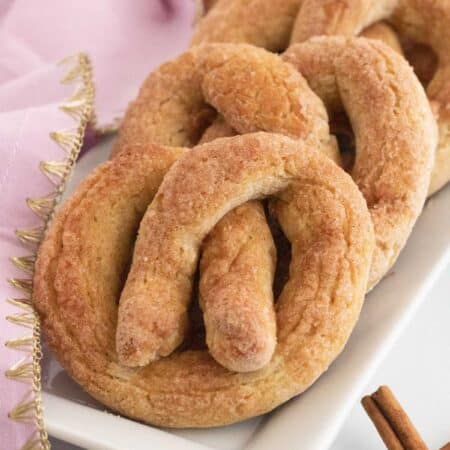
(80, 107)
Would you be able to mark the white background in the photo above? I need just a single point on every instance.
(418, 371)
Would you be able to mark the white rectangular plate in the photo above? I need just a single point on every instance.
(312, 420)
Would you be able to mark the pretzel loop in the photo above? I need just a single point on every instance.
(82, 260)
(181, 202)
(277, 24)
(269, 95)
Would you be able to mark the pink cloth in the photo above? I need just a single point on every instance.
(125, 41)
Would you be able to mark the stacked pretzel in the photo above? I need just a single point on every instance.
(422, 27)
(210, 135)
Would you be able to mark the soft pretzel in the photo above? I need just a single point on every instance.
(178, 101)
(269, 95)
(264, 23)
(423, 21)
(394, 140)
(394, 128)
(418, 55)
(82, 260)
(273, 25)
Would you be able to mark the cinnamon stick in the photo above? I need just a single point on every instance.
(383, 427)
(391, 420)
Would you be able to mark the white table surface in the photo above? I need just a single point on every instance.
(418, 371)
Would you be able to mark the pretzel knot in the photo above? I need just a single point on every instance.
(395, 132)
(277, 24)
(172, 109)
(86, 251)
(84, 260)
(114, 307)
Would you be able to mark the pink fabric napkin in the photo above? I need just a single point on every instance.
(124, 41)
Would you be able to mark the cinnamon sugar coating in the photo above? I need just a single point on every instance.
(199, 205)
(84, 257)
(423, 21)
(394, 129)
(263, 23)
(282, 23)
(253, 90)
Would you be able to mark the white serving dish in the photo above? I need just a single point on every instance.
(312, 420)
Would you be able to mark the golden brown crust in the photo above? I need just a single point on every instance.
(269, 95)
(236, 276)
(261, 23)
(338, 17)
(428, 22)
(394, 129)
(82, 259)
(423, 21)
(273, 24)
(420, 56)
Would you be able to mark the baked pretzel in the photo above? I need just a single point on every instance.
(418, 55)
(423, 21)
(237, 24)
(394, 129)
(178, 101)
(275, 24)
(269, 95)
(83, 260)
(263, 23)
(394, 140)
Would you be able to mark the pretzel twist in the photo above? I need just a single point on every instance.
(237, 270)
(394, 127)
(424, 21)
(82, 261)
(275, 25)
(182, 202)
(396, 134)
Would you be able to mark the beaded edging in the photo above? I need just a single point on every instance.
(80, 106)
